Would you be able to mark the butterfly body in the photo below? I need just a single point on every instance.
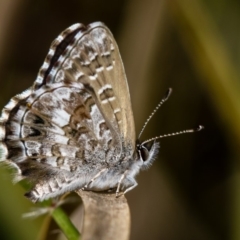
(74, 127)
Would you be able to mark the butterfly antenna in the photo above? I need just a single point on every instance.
(199, 128)
(167, 95)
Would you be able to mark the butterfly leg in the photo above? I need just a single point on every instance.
(132, 187)
(94, 178)
(134, 184)
(119, 183)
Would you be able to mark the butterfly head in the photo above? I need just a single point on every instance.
(148, 150)
(147, 153)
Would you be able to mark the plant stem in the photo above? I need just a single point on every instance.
(65, 224)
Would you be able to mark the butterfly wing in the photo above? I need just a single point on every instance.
(75, 117)
(91, 56)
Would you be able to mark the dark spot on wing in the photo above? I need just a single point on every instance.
(34, 132)
(38, 120)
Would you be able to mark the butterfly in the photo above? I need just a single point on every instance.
(74, 128)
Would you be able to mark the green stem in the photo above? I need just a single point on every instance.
(65, 224)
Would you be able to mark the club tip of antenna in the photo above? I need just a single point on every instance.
(168, 93)
(199, 128)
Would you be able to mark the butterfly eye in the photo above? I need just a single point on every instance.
(144, 152)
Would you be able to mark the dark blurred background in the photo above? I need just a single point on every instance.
(192, 192)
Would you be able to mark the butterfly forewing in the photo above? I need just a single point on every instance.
(92, 58)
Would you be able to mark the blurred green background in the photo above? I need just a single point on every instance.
(192, 192)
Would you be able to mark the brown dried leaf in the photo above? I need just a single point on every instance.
(105, 216)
